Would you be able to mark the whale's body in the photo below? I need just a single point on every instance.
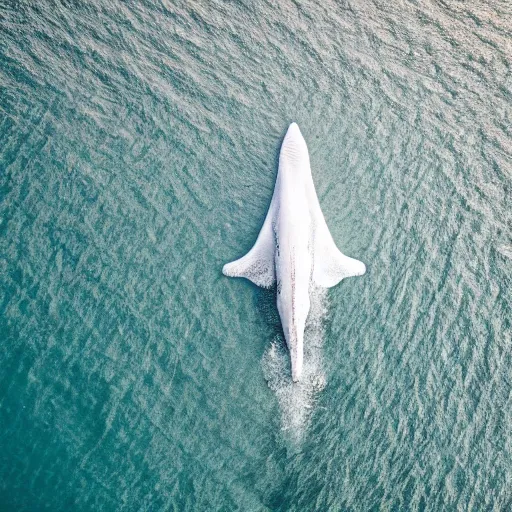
(294, 248)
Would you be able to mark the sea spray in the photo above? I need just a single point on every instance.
(296, 400)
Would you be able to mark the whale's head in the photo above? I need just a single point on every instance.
(294, 149)
(293, 131)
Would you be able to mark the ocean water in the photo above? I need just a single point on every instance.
(138, 152)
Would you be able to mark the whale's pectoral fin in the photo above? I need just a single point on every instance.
(330, 265)
(258, 264)
(254, 266)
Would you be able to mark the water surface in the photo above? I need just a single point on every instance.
(138, 153)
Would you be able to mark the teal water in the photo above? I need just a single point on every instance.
(138, 153)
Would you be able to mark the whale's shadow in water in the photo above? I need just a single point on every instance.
(295, 400)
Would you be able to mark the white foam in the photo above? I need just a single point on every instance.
(296, 400)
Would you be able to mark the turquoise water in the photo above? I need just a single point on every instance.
(138, 153)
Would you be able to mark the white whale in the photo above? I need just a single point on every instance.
(294, 248)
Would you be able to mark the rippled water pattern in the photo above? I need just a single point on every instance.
(138, 153)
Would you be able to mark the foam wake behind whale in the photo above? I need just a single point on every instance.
(294, 248)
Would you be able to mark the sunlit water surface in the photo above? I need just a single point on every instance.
(138, 153)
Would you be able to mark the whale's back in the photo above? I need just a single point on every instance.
(296, 203)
